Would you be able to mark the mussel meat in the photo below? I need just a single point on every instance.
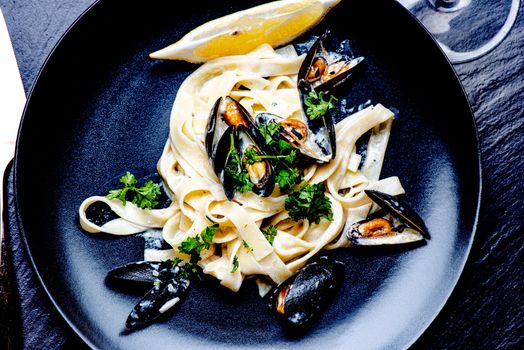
(301, 298)
(396, 224)
(323, 70)
(169, 287)
(230, 134)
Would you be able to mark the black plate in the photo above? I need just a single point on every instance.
(100, 107)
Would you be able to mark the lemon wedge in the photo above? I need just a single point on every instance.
(275, 23)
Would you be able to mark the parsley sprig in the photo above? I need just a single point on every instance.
(269, 131)
(270, 233)
(236, 172)
(309, 202)
(144, 197)
(193, 246)
(317, 107)
(252, 156)
(285, 159)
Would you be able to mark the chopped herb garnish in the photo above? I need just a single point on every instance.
(144, 197)
(157, 283)
(285, 160)
(251, 156)
(270, 233)
(187, 269)
(247, 246)
(236, 172)
(287, 178)
(269, 132)
(193, 246)
(207, 235)
(285, 147)
(176, 261)
(317, 107)
(235, 264)
(309, 202)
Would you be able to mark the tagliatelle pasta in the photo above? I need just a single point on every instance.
(262, 81)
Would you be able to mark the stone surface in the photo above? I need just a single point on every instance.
(487, 307)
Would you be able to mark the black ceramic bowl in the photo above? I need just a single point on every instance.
(100, 107)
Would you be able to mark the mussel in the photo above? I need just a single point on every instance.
(230, 136)
(168, 288)
(313, 141)
(396, 224)
(323, 70)
(301, 298)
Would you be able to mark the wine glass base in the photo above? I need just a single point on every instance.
(465, 29)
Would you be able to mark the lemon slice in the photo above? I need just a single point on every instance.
(275, 23)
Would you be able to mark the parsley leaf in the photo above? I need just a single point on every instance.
(284, 146)
(269, 131)
(247, 246)
(251, 156)
(317, 107)
(285, 160)
(287, 178)
(187, 269)
(236, 172)
(235, 264)
(309, 202)
(207, 235)
(128, 180)
(144, 197)
(193, 246)
(176, 261)
(270, 233)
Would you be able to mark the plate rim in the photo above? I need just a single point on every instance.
(414, 337)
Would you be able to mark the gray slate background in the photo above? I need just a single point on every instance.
(486, 310)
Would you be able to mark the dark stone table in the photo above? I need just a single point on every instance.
(486, 310)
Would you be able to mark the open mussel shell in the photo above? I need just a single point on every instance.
(382, 230)
(313, 139)
(396, 223)
(163, 296)
(322, 140)
(226, 112)
(230, 132)
(399, 209)
(301, 298)
(323, 70)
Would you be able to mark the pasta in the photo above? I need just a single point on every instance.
(262, 81)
